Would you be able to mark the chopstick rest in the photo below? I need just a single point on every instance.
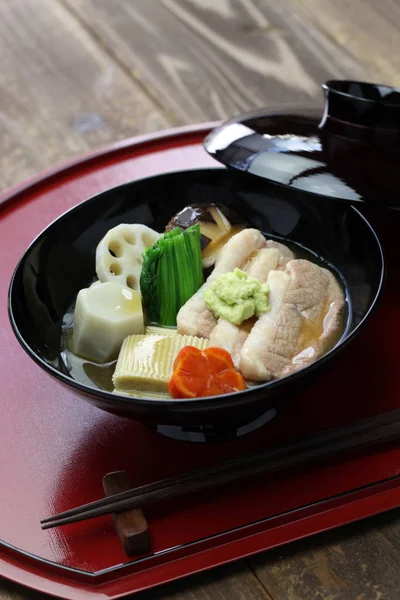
(130, 525)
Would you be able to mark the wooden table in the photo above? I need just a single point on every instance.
(76, 74)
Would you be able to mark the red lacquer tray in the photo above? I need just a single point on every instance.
(54, 448)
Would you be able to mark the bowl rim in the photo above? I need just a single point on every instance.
(200, 403)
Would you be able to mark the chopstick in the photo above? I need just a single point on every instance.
(138, 491)
(366, 432)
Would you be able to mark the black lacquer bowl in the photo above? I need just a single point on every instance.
(61, 261)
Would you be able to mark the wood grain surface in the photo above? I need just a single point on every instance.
(205, 59)
(75, 74)
(370, 32)
(356, 562)
(60, 93)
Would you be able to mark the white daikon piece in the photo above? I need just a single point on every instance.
(119, 254)
(105, 314)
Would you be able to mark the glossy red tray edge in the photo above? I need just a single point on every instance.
(290, 527)
(218, 550)
(169, 136)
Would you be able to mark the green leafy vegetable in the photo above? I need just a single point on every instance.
(171, 274)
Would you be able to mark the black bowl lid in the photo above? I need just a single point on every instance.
(350, 154)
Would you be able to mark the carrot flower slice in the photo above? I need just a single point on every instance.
(204, 373)
(191, 359)
(218, 359)
(187, 380)
(230, 380)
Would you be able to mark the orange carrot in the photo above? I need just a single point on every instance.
(204, 373)
(230, 380)
(187, 380)
(218, 359)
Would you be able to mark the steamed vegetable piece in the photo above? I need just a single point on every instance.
(217, 225)
(104, 315)
(204, 373)
(171, 274)
(145, 362)
(119, 254)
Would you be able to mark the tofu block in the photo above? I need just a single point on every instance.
(105, 314)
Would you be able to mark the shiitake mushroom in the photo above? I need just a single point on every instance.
(217, 225)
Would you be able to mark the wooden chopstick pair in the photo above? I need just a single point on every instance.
(363, 433)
